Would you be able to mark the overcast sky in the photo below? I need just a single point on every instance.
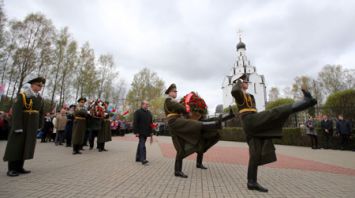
(192, 42)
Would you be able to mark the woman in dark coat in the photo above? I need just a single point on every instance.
(26, 120)
(262, 127)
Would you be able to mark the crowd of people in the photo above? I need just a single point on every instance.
(79, 125)
(329, 128)
(58, 127)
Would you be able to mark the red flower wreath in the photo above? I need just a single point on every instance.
(194, 103)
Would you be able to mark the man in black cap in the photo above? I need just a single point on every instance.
(27, 118)
(260, 128)
(189, 136)
(79, 126)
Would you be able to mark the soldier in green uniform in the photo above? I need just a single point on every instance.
(105, 134)
(27, 119)
(79, 126)
(188, 135)
(260, 128)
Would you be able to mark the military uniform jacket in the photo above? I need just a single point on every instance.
(79, 126)
(105, 133)
(185, 133)
(28, 118)
(260, 127)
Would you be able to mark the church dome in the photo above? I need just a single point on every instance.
(240, 45)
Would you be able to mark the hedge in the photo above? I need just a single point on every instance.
(291, 136)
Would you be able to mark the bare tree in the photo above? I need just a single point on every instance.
(274, 94)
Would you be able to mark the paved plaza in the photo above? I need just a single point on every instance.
(299, 172)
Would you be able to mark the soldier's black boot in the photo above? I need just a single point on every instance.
(217, 124)
(12, 169)
(199, 161)
(20, 168)
(178, 168)
(254, 185)
(308, 101)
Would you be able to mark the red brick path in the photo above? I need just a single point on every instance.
(235, 155)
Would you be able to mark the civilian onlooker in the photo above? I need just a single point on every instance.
(142, 121)
(47, 127)
(311, 132)
(61, 121)
(344, 130)
(327, 128)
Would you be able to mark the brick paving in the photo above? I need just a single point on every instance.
(299, 172)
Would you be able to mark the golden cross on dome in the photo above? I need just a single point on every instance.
(240, 34)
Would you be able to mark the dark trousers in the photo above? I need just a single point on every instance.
(327, 140)
(199, 158)
(15, 165)
(141, 154)
(68, 136)
(93, 134)
(59, 138)
(252, 170)
(76, 148)
(314, 141)
(344, 139)
(86, 137)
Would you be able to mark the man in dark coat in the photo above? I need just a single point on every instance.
(327, 128)
(79, 126)
(142, 127)
(189, 136)
(27, 119)
(261, 127)
(344, 130)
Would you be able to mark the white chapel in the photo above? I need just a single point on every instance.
(257, 86)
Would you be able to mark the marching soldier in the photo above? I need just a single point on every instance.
(188, 135)
(261, 127)
(27, 119)
(79, 126)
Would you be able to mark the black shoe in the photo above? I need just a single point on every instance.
(180, 174)
(12, 173)
(23, 171)
(76, 152)
(145, 162)
(104, 149)
(256, 186)
(201, 166)
(100, 150)
(91, 148)
(137, 160)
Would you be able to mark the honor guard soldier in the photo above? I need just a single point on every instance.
(188, 135)
(27, 118)
(79, 126)
(260, 128)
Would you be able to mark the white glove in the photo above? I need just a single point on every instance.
(18, 131)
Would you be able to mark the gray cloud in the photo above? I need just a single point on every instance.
(193, 42)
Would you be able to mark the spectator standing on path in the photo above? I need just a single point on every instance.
(261, 127)
(47, 128)
(327, 128)
(69, 125)
(142, 122)
(311, 132)
(61, 121)
(344, 130)
(27, 118)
